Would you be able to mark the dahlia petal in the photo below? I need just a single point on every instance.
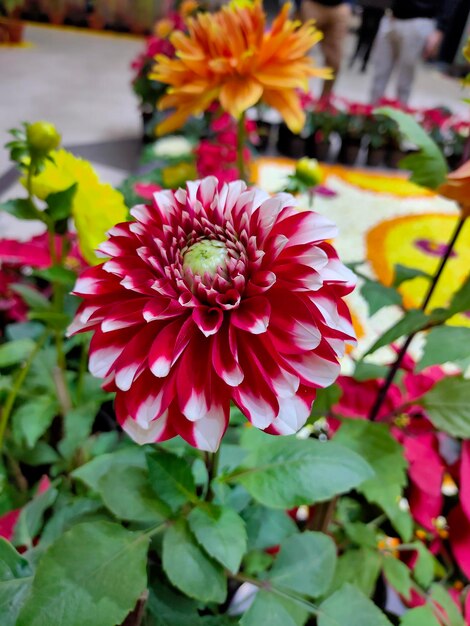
(94, 284)
(313, 369)
(465, 478)
(208, 319)
(105, 350)
(260, 409)
(293, 413)
(224, 361)
(133, 357)
(158, 430)
(166, 348)
(305, 228)
(253, 315)
(193, 381)
(149, 397)
(459, 538)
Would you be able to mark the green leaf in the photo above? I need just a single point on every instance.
(385, 455)
(424, 567)
(31, 420)
(268, 609)
(59, 204)
(15, 582)
(92, 472)
(360, 567)
(23, 330)
(71, 511)
(57, 274)
(171, 479)
(447, 406)
(77, 426)
(15, 352)
(267, 527)
(52, 319)
(428, 166)
(305, 564)
(128, 494)
(398, 575)
(222, 534)
(378, 296)
(368, 371)
(445, 343)
(362, 534)
(21, 208)
(461, 299)
(404, 273)
(256, 561)
(444, 600)
(287, 472)
(91, 576)
(170, 608)
(33, 298)
(31, 517)
(422, 616)
(325, 399)
(413, 321)
(350, 607)
(188, 567)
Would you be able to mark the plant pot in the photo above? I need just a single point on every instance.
(11, 30)
(349, 151)
(96, 21)
(393, 157)
(322, 150)
(264, 133)
(453, 161)
(376, 157)
(289, 144)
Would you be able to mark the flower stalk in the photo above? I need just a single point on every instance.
(241, 139)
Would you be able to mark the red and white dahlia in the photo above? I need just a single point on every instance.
(211, 296)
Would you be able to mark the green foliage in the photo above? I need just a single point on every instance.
(422, 616)
(305, 564)
(428, 166)
(189, 568)
(273, 610)
(21, 208)
(378, 296)
(267, 527)
(445, 343)
(349, 607)
(286, 472)
(31, 517)
(404, 273)
(15, 352)
(398, 575)
(359, 567)
(221, 532)
(447, 406)
(59, 204)
(171, 479)
(385, 455)
(91, 576)
(15, 582)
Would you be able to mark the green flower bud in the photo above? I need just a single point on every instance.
(308, 172)
(204, 256)
(42, 137)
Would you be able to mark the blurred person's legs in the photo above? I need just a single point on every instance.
(413, 37)
(384, 56)
(333, 21)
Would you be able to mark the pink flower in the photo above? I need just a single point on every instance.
(212, 296)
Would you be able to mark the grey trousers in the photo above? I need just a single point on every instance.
(399, 44)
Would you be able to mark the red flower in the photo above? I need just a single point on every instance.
(210, 297)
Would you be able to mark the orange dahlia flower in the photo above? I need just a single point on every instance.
(228, 56)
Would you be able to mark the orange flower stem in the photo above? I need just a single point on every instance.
(382, 394)
(241, 138)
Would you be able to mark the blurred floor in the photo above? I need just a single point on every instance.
(80, 81)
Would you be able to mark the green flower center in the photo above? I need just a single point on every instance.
(204, 256)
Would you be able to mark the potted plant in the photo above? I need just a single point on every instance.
(323, 120)
(351, 127)
(11, 28)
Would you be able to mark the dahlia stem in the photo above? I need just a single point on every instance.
(212, 464)
(23, 372)
(241, 139)
(382, 394)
